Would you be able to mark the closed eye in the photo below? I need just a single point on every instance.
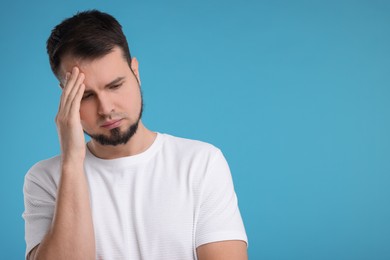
(115, 86)
(86, 96)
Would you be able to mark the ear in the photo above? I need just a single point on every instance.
(134, 68)
(64, 79)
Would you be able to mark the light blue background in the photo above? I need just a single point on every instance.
(295, 93)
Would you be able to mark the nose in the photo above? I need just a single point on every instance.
(105, 106)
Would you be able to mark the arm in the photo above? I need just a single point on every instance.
(220, 230)
(71, 234)
(224, 250)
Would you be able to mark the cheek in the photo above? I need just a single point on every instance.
(127, 100)
(134, 99)
(86, 112)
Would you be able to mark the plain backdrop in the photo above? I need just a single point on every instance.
(295, 94)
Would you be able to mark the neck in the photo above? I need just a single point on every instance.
(138, 143)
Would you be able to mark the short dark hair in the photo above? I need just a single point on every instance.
(87, 35)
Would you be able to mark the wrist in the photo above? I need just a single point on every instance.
(72, 163)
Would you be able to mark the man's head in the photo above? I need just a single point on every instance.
(92, 41)
(86, 35)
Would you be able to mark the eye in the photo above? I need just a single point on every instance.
(116, 86)
(87, 96)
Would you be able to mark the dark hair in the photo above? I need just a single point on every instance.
(87, 35)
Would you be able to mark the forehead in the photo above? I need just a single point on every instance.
(99, 70)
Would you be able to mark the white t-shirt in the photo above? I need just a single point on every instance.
(160, 204)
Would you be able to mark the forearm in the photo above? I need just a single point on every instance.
(71, 235)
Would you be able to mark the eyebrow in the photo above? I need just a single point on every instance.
(112, 83)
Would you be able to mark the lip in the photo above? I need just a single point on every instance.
(111, 124)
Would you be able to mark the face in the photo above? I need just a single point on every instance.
(111, 107)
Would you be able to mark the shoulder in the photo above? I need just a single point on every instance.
(199, 157)
(189, 147)
(47, 170)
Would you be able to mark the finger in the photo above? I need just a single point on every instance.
(72, 79)
(70, 84)
(79, 81)
(75, 108)
(72, 94)
(67, 75)
(62, 86)
(63, 81)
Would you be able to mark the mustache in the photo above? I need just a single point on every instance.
(111, 116)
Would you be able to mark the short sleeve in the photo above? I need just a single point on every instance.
(219, 216)
(39, 203)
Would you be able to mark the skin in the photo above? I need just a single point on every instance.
(71, 235)
(223, 250)
(102, 102)
(87, 102)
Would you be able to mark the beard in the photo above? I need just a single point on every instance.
(116, 136)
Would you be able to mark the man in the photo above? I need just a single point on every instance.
(129, 193)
